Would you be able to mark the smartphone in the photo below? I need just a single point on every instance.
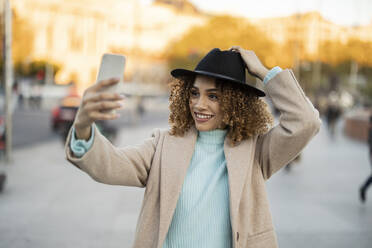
(112, 66)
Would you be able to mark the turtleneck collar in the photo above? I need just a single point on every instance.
(216, 136)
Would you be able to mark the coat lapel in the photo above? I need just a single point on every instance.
(238, 159)
(176, 158)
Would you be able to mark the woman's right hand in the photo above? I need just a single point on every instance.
(96, 105)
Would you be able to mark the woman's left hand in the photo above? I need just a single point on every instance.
(253, 63)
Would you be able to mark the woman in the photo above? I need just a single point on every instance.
(205, 177)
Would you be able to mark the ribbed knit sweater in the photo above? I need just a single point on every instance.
(202, 214)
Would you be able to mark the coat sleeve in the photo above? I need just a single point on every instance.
(105, 163)
(299, 122)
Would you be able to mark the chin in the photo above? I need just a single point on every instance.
(204, 128)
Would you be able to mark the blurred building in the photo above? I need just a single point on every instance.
(310, 29)
(75, 34)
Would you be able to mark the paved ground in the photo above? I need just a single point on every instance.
(49, 203)
(317, 204)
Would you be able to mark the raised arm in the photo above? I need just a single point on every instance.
(106, 163)
(298, 123)
(103, 161)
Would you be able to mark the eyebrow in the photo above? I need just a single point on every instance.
(208, 90)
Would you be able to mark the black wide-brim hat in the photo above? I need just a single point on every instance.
(226, 65)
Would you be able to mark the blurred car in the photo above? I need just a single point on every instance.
(64, 114)
(63, 117)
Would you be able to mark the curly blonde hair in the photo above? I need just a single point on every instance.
(244, 114)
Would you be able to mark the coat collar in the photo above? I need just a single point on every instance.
(176, 158)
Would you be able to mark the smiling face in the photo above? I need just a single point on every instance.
(205, 104)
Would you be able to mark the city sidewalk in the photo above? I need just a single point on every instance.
(47, 202)
(317, 203)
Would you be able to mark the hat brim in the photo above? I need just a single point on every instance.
(179, 73)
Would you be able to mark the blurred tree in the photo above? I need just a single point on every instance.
(22, 40)
(366, 89)
(333, 52)
(34, 68)
(225, 31)
(336, 52)
(222, 32)
(360, 51)
(294, 48)
(338, 59)
(22, 45)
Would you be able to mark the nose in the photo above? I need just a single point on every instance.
(201, 103)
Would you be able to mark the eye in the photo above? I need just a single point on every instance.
(194, 93)
(213, 96)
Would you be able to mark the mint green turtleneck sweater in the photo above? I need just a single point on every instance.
(202, 215)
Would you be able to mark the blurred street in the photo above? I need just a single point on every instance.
(32, 126)
(317, 203)
(49, 203)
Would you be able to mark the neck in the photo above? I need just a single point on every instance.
(215, 136)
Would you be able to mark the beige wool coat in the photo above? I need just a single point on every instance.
(160, 164)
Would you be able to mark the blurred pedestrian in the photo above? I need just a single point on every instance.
(139, 109)
(2, 136)
(36, 97)
(205, 176)
(368, 182)
(2, 151)
(333, 113)
(2, 181)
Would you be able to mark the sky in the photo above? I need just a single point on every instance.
(343, 12)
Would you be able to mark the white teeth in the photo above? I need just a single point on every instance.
(203, 116)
